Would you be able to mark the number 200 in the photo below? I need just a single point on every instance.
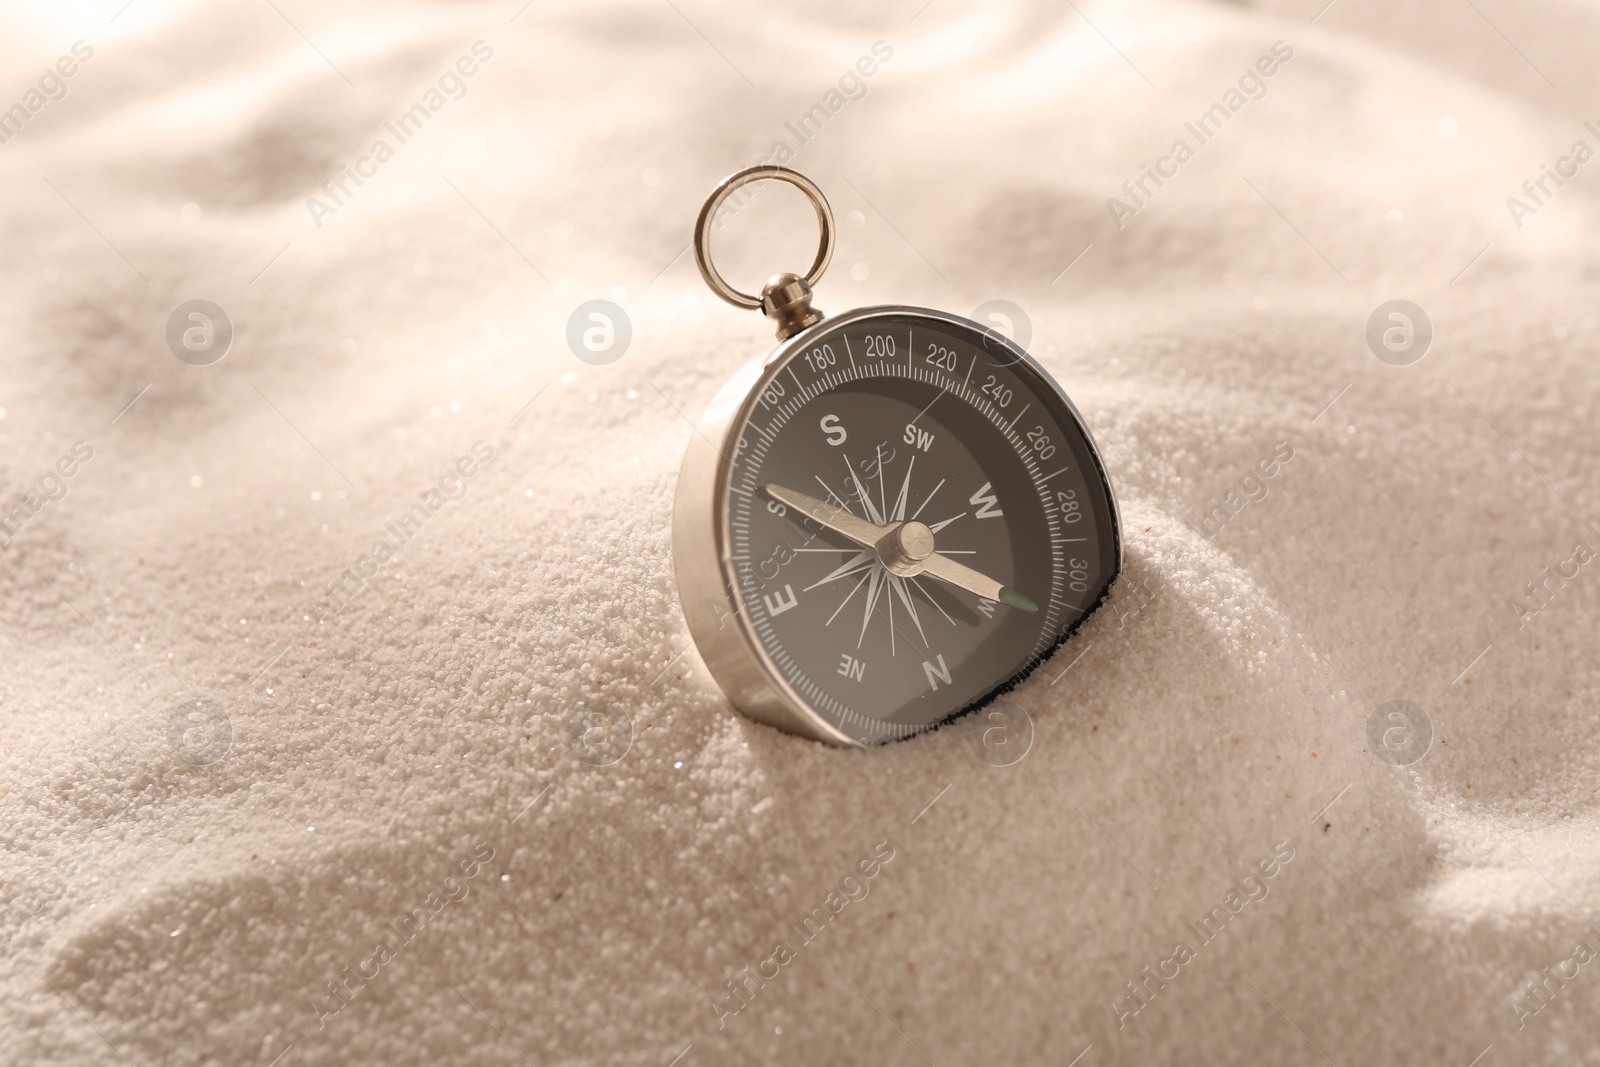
(880, 345)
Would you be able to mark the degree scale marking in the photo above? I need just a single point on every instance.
(979, 403)
(780, 417)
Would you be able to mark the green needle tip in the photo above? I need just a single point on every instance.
(1010, 596)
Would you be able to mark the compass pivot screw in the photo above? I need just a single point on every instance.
(904, 550)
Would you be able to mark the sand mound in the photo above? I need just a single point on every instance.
(252, 815)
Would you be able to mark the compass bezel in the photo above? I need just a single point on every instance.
(702, 542)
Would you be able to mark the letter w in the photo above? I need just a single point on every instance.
(985, 504)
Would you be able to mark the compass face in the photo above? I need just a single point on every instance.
(914, 517)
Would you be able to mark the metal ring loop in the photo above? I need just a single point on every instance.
(702, 228)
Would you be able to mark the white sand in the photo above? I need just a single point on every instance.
(190, 914)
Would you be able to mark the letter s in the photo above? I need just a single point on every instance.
(881, 50)
(1283, 51)
(83, 450)
(836, 433)
(1284, 451)
(483, 851)
(482, 51)
(82, 50)
(483, 450)
(883, 851)
(1284, 851)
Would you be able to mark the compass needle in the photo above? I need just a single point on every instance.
(963, 576)
(829, 490)
(888, 540)
(837, 519)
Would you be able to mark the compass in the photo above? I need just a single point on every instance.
(886, 521)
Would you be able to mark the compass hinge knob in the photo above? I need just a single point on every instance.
(786, 300)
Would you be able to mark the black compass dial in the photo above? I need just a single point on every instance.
(915, 519)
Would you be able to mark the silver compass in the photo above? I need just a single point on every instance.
(888, 519)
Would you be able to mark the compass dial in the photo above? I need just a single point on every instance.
(914, 517)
